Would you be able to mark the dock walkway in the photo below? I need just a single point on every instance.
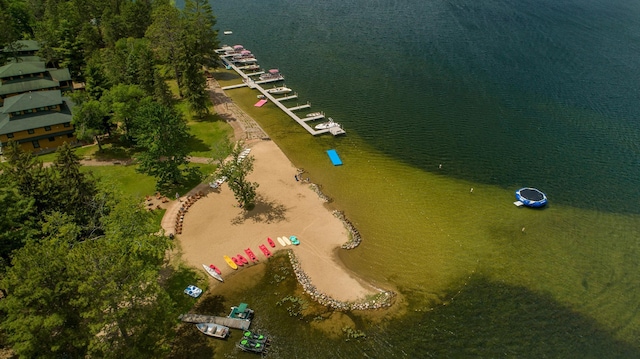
(248, 81)
(227, 322)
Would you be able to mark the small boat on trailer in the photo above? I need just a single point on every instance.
(212, 272)
(213, 330)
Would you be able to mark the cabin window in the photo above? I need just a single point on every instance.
(35, 143)
(9, 135)
(51, 139)
(31, 131)
(67, 124)
(41, 109)
(47, 128)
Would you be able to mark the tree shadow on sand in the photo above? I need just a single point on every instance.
(265, 211)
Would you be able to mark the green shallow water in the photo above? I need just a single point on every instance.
(453, 253)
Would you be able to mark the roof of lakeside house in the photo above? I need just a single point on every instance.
(24, 45)
(21, 68)
(26, 85)
(31, 100)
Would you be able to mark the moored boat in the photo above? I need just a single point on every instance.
(212, 272)
(253, 346)
(327, 125)
(213, 330)
(273, 74)
(242, 311)
(255, 336)
(315, 114)
(279, 90)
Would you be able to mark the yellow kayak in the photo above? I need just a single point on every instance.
(230, 262)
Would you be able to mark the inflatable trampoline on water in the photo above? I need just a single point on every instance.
(530, 197)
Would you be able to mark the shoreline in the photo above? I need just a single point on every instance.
(214, 226)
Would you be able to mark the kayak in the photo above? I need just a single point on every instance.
(252, 256)
(282, 242)
(215, 268)
(237, 261)
(286, 240)
(294, 240)
(264, 250)
(271, 242)
(212, 273)
(243, 259)
(230, 262)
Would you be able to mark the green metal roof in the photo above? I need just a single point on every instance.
(31, 100)
(21, 68)
(60, 74)
(33, 58)
(25, 45)
(36, 120)
(26, 85)
(242, 307)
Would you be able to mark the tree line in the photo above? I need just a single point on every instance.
(80, 264)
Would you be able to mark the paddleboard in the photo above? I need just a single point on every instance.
(287, 240)
(264, 250)
(282, 242)
(230, 262)
(252, 256)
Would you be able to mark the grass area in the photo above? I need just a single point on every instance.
(125, 179)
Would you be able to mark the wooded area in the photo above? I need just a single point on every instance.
(81, 264)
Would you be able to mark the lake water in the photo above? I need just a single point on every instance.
(438, 98)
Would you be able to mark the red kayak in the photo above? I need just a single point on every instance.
(215, 268)
(242, 259)
(252, 256)
(237, 261)
(271, 242)
(264, 250)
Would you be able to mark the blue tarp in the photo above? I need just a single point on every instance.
(333, 156)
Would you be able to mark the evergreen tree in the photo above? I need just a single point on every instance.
(230, 165)
(161, 136)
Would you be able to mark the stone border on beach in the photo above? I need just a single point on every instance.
(381, 300)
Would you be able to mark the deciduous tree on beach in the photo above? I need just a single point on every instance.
(235, 166)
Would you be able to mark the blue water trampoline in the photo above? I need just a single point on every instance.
(531, 197)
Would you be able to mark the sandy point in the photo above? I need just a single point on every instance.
(215, 226)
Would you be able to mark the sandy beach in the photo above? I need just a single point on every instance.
(215, 226)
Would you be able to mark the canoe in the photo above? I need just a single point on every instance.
(287, 240)
(252, 256)
(264, 250)
(294, 240)
(213, 330)
(271, 242)
(230, 262)
(242, 259)
(282, 242)
(212, 273)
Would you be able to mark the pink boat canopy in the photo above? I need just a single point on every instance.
(245, 52)
(238, 47)
(274, 71)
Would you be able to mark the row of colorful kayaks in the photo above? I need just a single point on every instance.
(240, 261)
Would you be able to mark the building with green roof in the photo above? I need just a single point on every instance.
(33, 111)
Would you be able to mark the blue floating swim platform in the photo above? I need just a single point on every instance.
(531, 197)
(333, 156)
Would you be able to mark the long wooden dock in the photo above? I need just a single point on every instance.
(227, 322)
(255, 84)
